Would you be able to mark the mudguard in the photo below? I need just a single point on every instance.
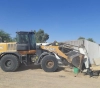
(13, 53)
(41, 56)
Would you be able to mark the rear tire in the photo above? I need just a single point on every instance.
(49, 63)
(9, 63)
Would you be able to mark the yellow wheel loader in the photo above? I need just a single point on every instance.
(26, 51)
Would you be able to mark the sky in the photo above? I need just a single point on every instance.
(63, 20)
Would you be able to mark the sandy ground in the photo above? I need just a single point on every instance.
(35, 77)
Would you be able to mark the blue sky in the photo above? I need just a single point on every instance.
(62, 19)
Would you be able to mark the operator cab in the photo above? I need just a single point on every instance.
(25, 41)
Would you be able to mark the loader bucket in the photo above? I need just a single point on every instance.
(76, 59)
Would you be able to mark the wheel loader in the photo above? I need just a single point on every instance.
(25, 51)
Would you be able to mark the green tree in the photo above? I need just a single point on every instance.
(41, 36)
(90, 39)
(5, 37)
(14, 39)
(81, 38)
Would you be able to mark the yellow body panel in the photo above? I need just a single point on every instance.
(11, 47)
(3, 47)
(7, 47)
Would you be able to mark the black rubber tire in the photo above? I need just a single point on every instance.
(13, 61)
(45, 60)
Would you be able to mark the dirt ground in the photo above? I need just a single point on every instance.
(35, 77)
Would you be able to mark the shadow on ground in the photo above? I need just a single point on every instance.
(34, 67)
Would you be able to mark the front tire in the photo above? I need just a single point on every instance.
(49, 63)
(9, 63)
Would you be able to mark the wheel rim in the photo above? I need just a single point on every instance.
(49, 64)
(8, 63)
